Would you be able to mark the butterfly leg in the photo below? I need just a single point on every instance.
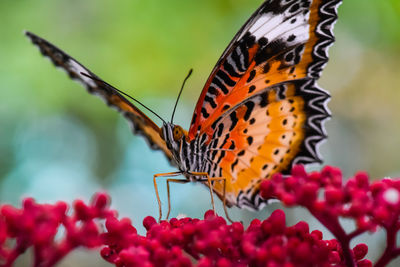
(180, 181)
(209, 181)
(204, 174)
(224, 200)
(168, 174)
(223, 195)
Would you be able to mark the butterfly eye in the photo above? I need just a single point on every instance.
(178, 132)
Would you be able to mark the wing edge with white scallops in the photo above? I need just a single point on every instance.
(260, 52)
(283, 45)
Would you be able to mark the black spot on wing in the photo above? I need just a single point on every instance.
(291, 38)
(204, 113)
(215, 123)
(249, 40)
(250, 106)
(226, 107)
(266, 67)
(230, 69)
(264, 100)
(263, 41)
(234, 120)
(251, 89)
(225, 78)
(221, 156)
(252, 75)
(214, 143)
(214, 154)
(274, 6)
(271, 49)
(194, 118)
(203, 138)
(213, 91)
(220, 130)
(294, 8)
(249, 140)
(220, 85)
(211, 101)
(281, 90)
(289, 57)
(236, 57)
(232, 146)
(234, 164)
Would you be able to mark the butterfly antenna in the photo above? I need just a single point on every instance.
(125, 94)
(180, 92)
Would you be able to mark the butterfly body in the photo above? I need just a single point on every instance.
(260, 111)
(181, 149)
(190, 156)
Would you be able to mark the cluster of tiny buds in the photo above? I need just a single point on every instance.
(52, 231)
(325, 195)
(37, 225)
(213, 242)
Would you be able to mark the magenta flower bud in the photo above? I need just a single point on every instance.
(101, 201)
(308, 194)
(209, 215)
(316, 234)
(148, 222)
(82, 211)
(360, 251)
(299, 171)
(333, 195)
(362, 180)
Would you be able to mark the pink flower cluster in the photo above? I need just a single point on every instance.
(327, 198)
(211, 242)
(52, 232)
(36, 226)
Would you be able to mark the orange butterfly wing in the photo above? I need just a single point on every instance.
(260, 136)
(140, 123)
(278, 54)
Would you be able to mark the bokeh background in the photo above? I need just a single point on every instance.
(57, 142)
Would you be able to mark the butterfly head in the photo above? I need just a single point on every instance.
(173, 135)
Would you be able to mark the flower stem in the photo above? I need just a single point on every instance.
(333, 225)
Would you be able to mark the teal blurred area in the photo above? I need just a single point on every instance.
(57, 142)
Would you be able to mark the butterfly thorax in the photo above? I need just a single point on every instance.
(186, 153)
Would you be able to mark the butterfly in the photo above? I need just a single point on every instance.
(260, 111)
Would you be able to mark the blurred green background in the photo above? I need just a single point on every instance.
(57, 142)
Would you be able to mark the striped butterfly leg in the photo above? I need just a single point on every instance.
(210, 186)
(158, 175)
